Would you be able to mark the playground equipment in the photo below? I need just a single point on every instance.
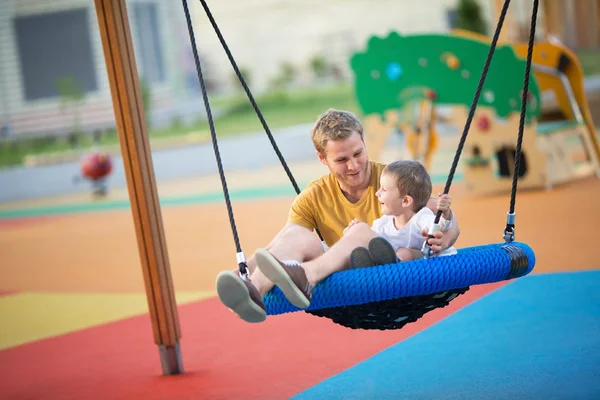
(96, 167)
(420, 129)
(396, 72)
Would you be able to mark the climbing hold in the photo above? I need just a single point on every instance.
(451, 60)
(483, 123)
(393, 71)
(431, 94)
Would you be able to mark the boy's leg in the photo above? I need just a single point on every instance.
(244, 297)
(406, 254)
(416, 254)
(296, 280)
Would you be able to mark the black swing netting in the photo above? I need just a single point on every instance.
(389, 314)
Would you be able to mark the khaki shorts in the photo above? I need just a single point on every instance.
(416, 254)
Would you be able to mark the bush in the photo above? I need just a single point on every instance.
(470, 18)
(235, 81)
(318, 66)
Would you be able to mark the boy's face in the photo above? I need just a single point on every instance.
(389, 196)
(347, 160)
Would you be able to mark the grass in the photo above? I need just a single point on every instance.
(280, 109)
(590, 61)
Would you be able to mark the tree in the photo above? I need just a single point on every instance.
(318, 66)
(470, 17)
(72, 97)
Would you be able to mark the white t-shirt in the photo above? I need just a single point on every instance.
(410, 235)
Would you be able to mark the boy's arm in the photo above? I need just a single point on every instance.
(449, 237)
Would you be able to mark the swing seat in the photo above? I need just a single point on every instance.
(390, 296)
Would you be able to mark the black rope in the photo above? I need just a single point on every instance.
(513, 195)
(465, 132)
(251, 98)
(242, 265)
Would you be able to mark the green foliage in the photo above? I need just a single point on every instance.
(470, 17)
(246, 74)
(71, 97)
(70, 92)
(318, 66)
(241, 104)
(590, 61)
(146, 100)
(287, 75)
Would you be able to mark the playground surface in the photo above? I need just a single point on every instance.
(76, 324)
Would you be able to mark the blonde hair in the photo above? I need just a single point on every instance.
(412, 180)
(334, 125)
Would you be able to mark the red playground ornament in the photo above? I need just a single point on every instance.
(431, 94)
(483, 123)
(96, 166)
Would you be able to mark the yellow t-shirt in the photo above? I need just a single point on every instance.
(322, 205)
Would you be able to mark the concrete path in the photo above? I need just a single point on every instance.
(248, 161)
(247, 152)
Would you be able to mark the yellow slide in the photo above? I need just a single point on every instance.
(555, 57)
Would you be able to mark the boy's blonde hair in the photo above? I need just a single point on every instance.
(334, 125)
(412, 180)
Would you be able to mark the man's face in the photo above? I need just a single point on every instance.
(347, 160)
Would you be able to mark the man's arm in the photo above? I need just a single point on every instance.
(451, 234)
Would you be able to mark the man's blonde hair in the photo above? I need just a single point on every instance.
(334, 125)
(412, 180)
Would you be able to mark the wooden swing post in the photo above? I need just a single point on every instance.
(137, 161)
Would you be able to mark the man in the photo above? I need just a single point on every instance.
(328, 204)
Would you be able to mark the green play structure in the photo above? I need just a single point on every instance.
(393, 67)
(396, 72)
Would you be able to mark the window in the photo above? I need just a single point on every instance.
(54, 46)
(452, 18)
(148, 43)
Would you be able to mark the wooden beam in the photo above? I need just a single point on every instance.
(508, 27)
(137, 160)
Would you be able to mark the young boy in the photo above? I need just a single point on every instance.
(405, 188)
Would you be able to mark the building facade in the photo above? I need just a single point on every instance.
(49, 48)
(53, 74)
(264, 35)
(576, 23)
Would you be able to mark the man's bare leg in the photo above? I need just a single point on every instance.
(244, 297)
(337, 258)
(293, 242)
(296, 280)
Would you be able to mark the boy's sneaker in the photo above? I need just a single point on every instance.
(382, 251)
(361, 258)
